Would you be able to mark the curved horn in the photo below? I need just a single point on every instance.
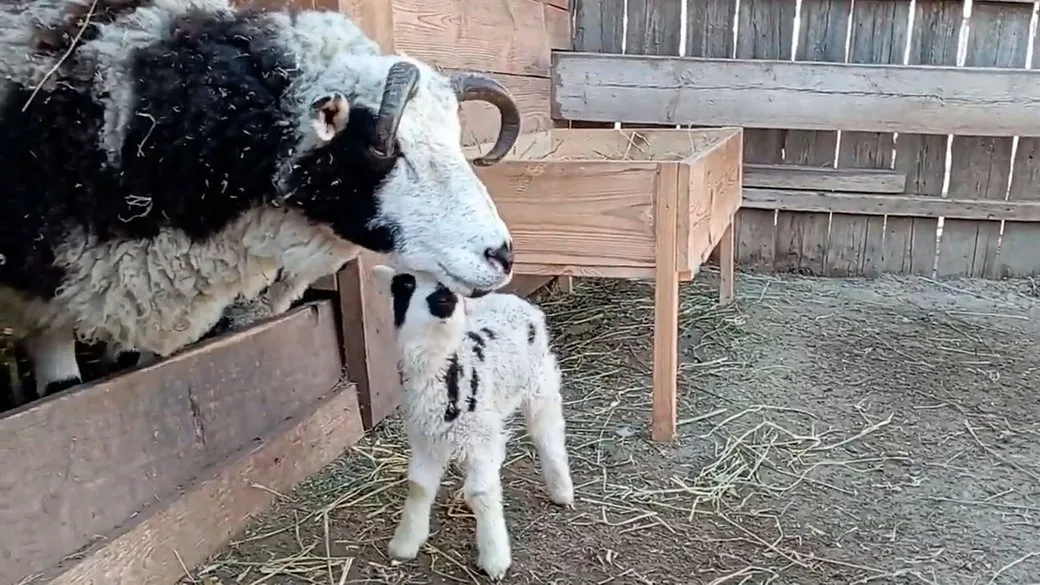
(478, 87)
(401, 81)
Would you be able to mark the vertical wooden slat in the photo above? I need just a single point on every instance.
(709, 28)
(801, 238)
(764, 31)
(598, 25)
(998, 36)
(1018, 248)
(856, 245)
(598, 28)
(922, 157)
(654, 28)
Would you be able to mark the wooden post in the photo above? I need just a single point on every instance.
(666, 305)
(368, 349)
(726, 250)
(368, 343)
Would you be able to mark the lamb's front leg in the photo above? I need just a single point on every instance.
(425, 470)
(484, 495)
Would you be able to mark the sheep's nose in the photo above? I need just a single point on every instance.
(503, 255)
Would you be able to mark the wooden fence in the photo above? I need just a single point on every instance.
(884, 135)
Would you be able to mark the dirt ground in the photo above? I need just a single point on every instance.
(832, 432)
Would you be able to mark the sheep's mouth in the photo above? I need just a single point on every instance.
(460, 287)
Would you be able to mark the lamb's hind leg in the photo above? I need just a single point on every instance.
(543, 412)
(424, 477)
(483, 490)
(53, 355)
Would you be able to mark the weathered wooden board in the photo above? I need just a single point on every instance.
(859, 245)
(653, 29)
(998, 36)
(497, 36)
(767, 33)
(775, 94)
(82, 462)
(185, 529)
(1019, 245)
(598, 27)
(801, 238)
(937, 25)
(921, 206)
(823, 178)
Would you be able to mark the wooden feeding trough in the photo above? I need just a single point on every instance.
(630, 203)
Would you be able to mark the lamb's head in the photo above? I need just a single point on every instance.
(384, 168)
(425, 311)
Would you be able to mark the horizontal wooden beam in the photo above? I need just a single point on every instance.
(785, 94)
(900, 205)
(823, 178)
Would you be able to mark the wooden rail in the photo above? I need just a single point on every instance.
(644, 89)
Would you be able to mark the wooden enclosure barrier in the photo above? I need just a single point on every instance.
(845, 145)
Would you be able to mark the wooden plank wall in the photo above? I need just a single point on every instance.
(511, 39)
(995, 34)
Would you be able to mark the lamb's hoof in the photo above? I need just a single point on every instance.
(561, 491)
(495, 563)
(404, 547)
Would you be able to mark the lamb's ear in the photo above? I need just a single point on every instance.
(383, 274)
(329, 115)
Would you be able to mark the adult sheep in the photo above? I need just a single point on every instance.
(162, 158)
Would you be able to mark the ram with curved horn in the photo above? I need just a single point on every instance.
(163, 158)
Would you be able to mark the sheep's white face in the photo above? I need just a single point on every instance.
(447, 224)
(423, 204)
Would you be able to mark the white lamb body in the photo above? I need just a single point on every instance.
(465, 372)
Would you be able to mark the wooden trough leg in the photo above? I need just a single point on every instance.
(666, 307)
(726, 264)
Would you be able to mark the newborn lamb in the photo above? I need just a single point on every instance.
(466, 365)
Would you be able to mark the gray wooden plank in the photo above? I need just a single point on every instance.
(858, 245)
(998, 36)
(598, 28)
(1020, 242)
(880, 204)
(598, 25)
(807, 96)
(709, 28)
(765, 29)
(937, 24)
(801, 238)
(823, 178)
(654, 28)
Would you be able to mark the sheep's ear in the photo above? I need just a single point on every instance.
(383, 273)
(329, 115)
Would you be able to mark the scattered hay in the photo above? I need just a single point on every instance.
(734, 501)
